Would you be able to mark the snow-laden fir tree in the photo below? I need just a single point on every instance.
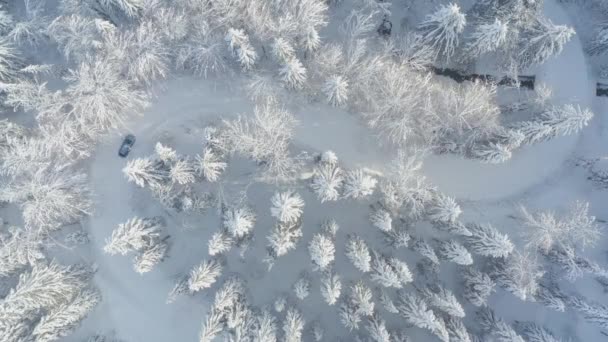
(266, 327)
(204, 275)
(19, 248)
(519, 274)
(533, 332)
(322, 251)
(336, 89)
(301, 287)
(182, 172)
(551, 296)
(137, 234)
(241, 48)
(293, 74)
(282, 50)
(361, 298)
(574, 266)
(383, 273)
(293, 325)
(376, 328)
(220, 243)
(150, 257)
(349, 315)
(330, 228)
(238, 221)
(487, 37)
(496, 328)
(62, 320)
(592, 312)
(381, 219)
(444, 209)
(212, 326)
(284, 237)
(358, 253)
(555, 121)
(599, 44)
(455, 252)
(416, 312)
(145, 171)
(492, 153)
(488, 241)
(402, 270)
(425, 250)
(317, 331)
(397, 237)
(478, 286)
(331, 287)
(209, 165)
(442, 28)
(286, 206)
(280, 303)
(358, 184)
(457, 330)
(327, 180)
(543, 40)
(457, 228)
(387, 302)
(443, 300)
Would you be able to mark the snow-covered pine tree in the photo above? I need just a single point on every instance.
(455, 252)
(293, 74)
(443, 209)
(478, 286)
(402, 270)
(331, 287)
(488, 241)
(241, 48)
(555, 121)
(599, 44)
(443, 300)
(212, 326)
(204, 275)
(144, 171)
(551, 296)
(182, 172)
(487, 37)
(280, 303)
(62, 320)
(150, 257)
(19, 248)
(542, 40)
(349, 315)
(322, 251)
(361, 298)
(286, 206)
(376, 328)
(519, 274)
(425, 250)
(442, 28)
(381, 219)
(238, 221)
(284, 237)
(534, 332)
(282, 50)
(317, 331)
(301, 287)
(574, 266)
(397, 237)
(387, 302)
(293, 326)
(220, 243)
(457, 330)
(383, 273)
(137, 234)
(592, 312)
(358, 184)
(209, 165)
(327, 180)
(416, 312)
(266, 328)
(336, 90)
(496, 328)
(358, 253)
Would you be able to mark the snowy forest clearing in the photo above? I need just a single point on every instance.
(300, 187)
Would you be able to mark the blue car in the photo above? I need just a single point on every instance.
(126, 146)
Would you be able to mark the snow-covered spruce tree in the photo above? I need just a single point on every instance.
(212, 326)
(50, 196)
(574, 266)
(317, 331)
(19, 248)
(358, 253)
(137, 234)
(204, 275)
(444, 300)
(331, 287)
(457, 330)
(488, 241)
(425, 250)
(442, 28)
(383, 273)
(402, 270)
(455, 252)
(555, 121)
(241, 48)
(382, 220)
(293, 74)
(397, 237)
(182, 172)
(265, 328)
(327, 180)
(238, 221)
(478, 286)
(293, 325)
(10, 135)
(534, 332)
(376, 328)
(361, 298)
(145, 171)
(322, 251)
(336, 90)
(358, 184)
(63, 319)
(519, 274)
(283, 238)
(487, 37)
(150, 257)
(456, 228)
(592, 312)
(286, 206)
(551, 296)
(416, 312)
(542, 40)
(282, 50)
(301, 287)
(599, 44)
(443, 209)
(349, 316)
(220, 243)
(496, 328)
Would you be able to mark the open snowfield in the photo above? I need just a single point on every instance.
(543, 175)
